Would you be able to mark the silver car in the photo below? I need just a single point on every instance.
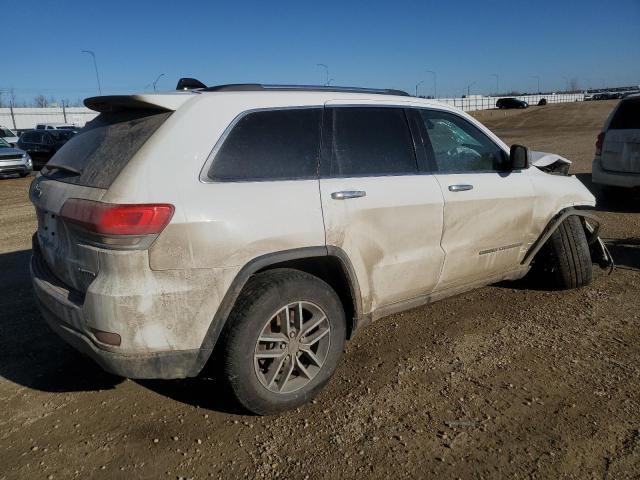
(14, 160)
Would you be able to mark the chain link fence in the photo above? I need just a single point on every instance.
(27, 118)
(478, 102)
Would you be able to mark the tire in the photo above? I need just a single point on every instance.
(261, 307)
(566, 257)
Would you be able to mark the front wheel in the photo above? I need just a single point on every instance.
(283, 341)
(565, 258)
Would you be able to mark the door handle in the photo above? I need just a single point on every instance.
(346, 194)
(460, 187)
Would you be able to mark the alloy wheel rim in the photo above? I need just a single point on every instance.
(292, 347)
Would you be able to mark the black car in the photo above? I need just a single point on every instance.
(511, 103)
(41, 145)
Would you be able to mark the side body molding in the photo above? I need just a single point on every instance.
(260, 263)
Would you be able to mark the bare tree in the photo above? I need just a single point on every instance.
(40, 101)
(574, 85)
(12, 96)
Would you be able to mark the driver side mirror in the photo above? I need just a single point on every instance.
(519, 157)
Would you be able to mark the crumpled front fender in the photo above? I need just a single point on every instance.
(599, 252)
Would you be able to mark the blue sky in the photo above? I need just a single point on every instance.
(375, 44)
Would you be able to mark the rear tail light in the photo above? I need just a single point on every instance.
(599, 142)
(114, 219)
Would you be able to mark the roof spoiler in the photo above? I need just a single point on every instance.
(118, 103)
(189, 84)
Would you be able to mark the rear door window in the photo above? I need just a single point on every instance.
(369, 141)
(105, 145)
(270, 145)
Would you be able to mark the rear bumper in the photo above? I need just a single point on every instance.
(614, 179)
(62, 310)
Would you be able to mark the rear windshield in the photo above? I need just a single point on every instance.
(96, 155)
(627, 116)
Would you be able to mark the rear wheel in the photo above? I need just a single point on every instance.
(283, 341)
(565, 258)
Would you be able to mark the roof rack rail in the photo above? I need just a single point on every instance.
(255, 87)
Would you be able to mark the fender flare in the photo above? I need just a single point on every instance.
(257, 264)
(604, 257)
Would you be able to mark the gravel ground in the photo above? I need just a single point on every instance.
(507, 381)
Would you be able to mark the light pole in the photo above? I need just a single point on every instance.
(326, 71)
(469, 88)
(566, 84)
(417, 85)
(156, 81)
(538, 78)
(435, 92)
(95, 65)
(497, 82)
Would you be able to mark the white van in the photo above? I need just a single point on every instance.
(617, 160)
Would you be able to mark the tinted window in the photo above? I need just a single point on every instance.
(458, 146)
(627, 115)
(270, 145)
(106, 144)
(33, 137)
(371, 141)
(28, 137)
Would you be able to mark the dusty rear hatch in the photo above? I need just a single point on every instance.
(84, 169)
(621, 146)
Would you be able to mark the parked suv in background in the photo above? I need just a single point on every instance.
(511, 103)
(41, 145)
(14, 160)
(284, 221)
(617, 159)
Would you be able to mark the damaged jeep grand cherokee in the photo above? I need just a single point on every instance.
(272, 223)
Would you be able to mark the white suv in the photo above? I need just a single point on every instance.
(617, 160)
(273, 223)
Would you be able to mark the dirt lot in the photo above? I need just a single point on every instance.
(506, 381)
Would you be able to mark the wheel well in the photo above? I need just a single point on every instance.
(331, 270)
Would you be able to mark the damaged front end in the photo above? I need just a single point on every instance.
(550, 163)
(599, 253)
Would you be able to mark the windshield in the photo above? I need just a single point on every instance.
(4, 144)
(5, 132)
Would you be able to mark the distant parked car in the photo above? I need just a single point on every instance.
(13, 160)
(511, 103)
(617, 159)
(41, 145)
(542, 102)
(8, 136)
(56, 126)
